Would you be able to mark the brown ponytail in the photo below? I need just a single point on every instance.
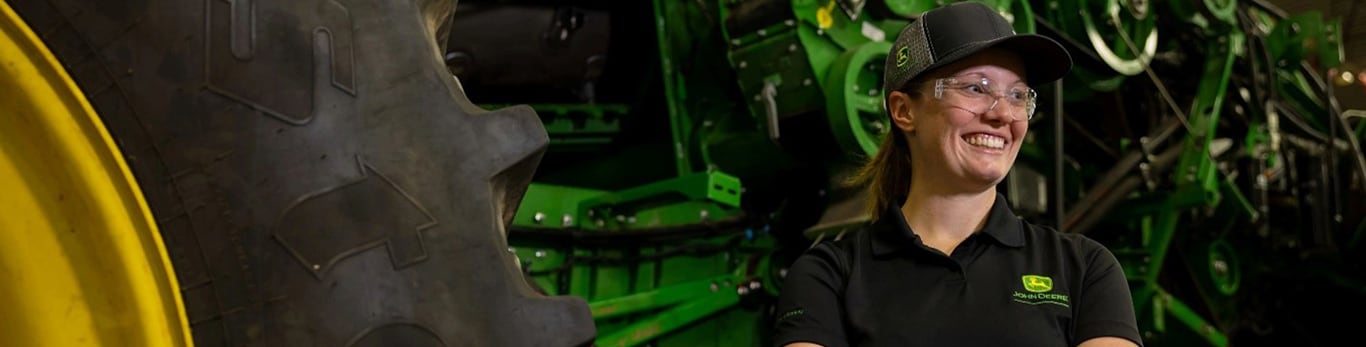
(887, 175)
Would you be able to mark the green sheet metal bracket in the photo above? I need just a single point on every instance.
(1306, 35)
(1196, 166)
(702, 196)
(552, 206)
(1165, 304)
(1195, 172)
(660, 298)
(1197, 184)
(690, 302)
(712, 188)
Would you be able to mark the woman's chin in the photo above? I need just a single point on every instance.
(987, 177)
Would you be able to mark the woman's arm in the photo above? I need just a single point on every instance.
(809, 310)
(1104, 315)
(1101, 342)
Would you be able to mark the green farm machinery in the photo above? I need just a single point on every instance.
(698, 146)
(627, 173)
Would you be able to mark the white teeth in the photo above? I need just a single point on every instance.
(988, 141)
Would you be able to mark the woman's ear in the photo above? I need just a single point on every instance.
(899, 104)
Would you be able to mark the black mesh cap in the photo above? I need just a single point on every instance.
(946, 34)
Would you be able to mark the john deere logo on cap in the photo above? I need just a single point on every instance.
(903, 56)
(1037, 284)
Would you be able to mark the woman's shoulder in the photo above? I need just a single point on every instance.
(839, 251)
(1043, 236)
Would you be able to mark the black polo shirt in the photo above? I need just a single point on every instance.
(1010, 284)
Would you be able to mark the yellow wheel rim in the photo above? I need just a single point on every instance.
(81, 261)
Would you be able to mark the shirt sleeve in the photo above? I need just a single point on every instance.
(1106, 307)
(809, 306)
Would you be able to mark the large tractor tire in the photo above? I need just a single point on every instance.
(317, 175)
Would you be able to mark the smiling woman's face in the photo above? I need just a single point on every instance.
(965, 150)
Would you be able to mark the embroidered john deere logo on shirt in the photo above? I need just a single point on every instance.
(1036, 283)
(1038, 290)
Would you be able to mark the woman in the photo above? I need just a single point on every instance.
(946, 262)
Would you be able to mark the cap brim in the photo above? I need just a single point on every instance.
(1045, 60)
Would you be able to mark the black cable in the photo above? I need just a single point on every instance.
(1269, 8)
(1286, 113)
(1335, 112)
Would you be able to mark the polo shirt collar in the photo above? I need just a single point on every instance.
(891, 233)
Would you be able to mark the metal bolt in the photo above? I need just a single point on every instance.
(743, 64)
(540, 254)
(792, 47)
(763, 32)
(782, 273)
(706, 123)
(789, 22)
(621, 218)
(704, 214)
(567, 220)
(714, 287)
(742, 290)
(755, 285)
(539, 217)
(316, 267)
(806, 82)
(631, 219)
(735, 42)
(1221, 267)
(598, 222)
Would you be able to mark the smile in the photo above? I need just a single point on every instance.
(986, 141)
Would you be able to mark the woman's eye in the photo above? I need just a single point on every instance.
(1017, 95)
(976, 89)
